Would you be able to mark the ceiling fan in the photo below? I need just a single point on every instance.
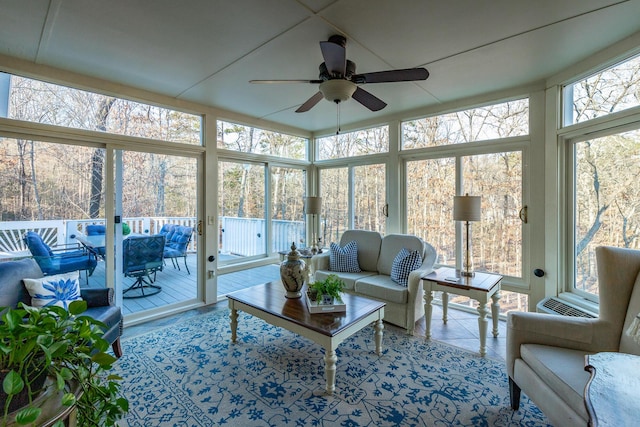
(338, 79)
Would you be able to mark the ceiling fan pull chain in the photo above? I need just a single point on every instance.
(338, 119)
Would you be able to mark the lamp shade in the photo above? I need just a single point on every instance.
(314, 204)
(466, 208)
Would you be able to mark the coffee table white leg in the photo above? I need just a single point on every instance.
(445, 307)
(495, 311)
(234, 323)
(428, 309)
(379, 326)
(482, 326)
(330, 360)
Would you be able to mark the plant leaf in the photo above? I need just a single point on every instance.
(12, 383)
(77, 307)
(28, 415)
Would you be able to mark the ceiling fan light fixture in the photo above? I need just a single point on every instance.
(337, 90)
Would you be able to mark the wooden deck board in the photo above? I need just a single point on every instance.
(178, 285)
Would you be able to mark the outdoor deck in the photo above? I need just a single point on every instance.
(178, 285)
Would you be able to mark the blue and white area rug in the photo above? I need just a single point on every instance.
(190, 374)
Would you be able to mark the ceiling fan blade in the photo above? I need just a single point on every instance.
(285, 81)
(335, 58)
(370, 101)
(310, 103)
(406, 75)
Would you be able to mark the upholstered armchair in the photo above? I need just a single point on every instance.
(545, 353)
(100, 301)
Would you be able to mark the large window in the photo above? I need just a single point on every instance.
(241, 206)
(287, 207)
(602, 160)
(41, 102)
(493, 172)
(352, 197)
(607, 200)
(358, 143)
(369, 191)
(497, 238)
(497, 178)
(495, 121)
(247, 139)
(614, 89)
(334, 189)
(430, 189)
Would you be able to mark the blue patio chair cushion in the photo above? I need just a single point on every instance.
(36, 245)
(57, 263)
(179, 242)
(168, 230)
(96, 230)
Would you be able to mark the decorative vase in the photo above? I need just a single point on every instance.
(293, 272)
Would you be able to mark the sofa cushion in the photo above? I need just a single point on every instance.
(562, 369)
(381, 287)
(349, 279)
(12, 290)
(345, 258)
(403, 264)
(59, 289)
(368, 247)
(391, 245)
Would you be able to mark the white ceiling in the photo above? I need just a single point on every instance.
(206, 51)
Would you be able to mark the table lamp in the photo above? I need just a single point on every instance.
(467, 208)
(313, 206)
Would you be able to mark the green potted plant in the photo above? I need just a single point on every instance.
(69, 350)
(327, 290)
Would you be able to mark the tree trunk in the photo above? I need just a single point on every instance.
(97, 160)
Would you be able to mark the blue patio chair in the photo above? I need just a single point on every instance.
(177, 246)
(59, 260)
(167, 231)
(143, 256)
(97, 230)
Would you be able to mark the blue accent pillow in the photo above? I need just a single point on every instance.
(403, 264)
(60, 290)
(344, 259)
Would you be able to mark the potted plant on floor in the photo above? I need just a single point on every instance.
(326, 291)
(68, 350)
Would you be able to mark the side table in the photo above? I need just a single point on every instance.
(481, 287)
(611, 393)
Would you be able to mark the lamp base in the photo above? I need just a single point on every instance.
(467, 273)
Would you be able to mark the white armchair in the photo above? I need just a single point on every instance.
(545, 353)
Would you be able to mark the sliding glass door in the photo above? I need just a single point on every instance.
(158, 198)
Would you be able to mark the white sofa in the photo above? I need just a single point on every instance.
(545, 353)
(404, 305)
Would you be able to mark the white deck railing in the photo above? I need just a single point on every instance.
(238, 236)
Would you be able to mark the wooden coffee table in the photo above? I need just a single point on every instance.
(267, 301)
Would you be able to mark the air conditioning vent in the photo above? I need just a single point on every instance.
(556, 306)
